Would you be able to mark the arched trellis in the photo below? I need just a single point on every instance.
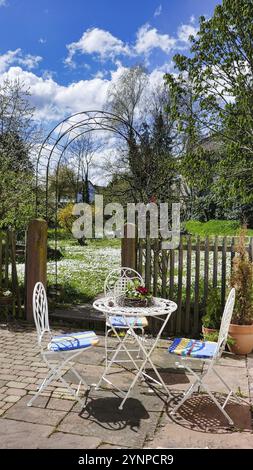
(55, 147)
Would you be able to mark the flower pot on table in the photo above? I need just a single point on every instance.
(128, 302)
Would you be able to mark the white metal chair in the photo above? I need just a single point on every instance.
(61, 350)
(115, 286)
(189, 350)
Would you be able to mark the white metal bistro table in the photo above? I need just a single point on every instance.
(161, 309)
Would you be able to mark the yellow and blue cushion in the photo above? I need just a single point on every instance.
(135, 322)
(193, 348)
(72, 341)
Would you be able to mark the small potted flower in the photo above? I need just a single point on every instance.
(137, 295)
(6, 296)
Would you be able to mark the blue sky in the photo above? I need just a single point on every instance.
(68, 52)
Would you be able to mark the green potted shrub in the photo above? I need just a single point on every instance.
(241, 327)
(212, 318)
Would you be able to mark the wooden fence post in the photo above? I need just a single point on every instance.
(36, 260)
(179, 287)
(128, 248)
(12, 242)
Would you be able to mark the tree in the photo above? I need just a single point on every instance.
(16, 197)
(118, 190)
(18, 137)
(126, 94)
(18, 131)
(146, 163)
(84, 150)
(13, 148)
(199, 168)
(63, 184)
(66, 217)
(153, 167)
(218, 77)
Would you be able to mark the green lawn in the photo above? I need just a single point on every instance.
(82, 270)
(221, 228)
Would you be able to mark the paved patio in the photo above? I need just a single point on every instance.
(57, 421)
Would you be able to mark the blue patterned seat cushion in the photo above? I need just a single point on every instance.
(120, 322)
(193, 348)
(72, 341)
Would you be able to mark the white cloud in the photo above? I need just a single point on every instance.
(54, 101)
(30, 61)
(103, 45)
(148, 39)
(7, 59)
(3, 3)
(158, 11)
(100, 74)
(186, 30)
(192, 19)
(17, 57)
(42, 40)
(97, 41)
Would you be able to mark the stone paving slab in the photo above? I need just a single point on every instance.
(231, 360)
(51, 403)
(97, 357)
(22, 435)
(60, 440)
(175, 436)
(102, 418)
(32, 414)
(236, 379)
(250, 375)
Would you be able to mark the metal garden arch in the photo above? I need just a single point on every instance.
(55, 148)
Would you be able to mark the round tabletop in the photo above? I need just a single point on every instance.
(160, 306)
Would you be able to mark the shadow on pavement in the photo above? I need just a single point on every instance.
(200, 413)
(105, 412)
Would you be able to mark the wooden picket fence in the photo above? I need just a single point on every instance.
(8, 272)
(186, 274)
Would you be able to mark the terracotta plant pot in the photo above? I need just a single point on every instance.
(207, 331)
(6, 300)
(243, 336)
